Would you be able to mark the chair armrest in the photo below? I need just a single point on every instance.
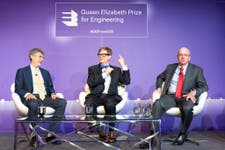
(82, 96)
(122, 103)
(20, 107)
(121, 90)
(156, 95)
(201, 103)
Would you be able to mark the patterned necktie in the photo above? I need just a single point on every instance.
(40, 85)
(180, 83)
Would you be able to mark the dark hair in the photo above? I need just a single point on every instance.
(34, 51)
(109, 51)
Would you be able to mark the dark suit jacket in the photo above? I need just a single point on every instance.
(96, 82)
(194, 79)
(24, 81)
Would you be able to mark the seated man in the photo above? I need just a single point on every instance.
(35, 88)
(103, 80)
(184, 83)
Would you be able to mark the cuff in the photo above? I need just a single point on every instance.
(26, 95)
(124, 68)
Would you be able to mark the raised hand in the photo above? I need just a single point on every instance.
(121, 61)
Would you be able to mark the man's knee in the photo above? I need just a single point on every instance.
(157, 109)
(32, 104)
(63, 102)
(157, 104)
(89, 101)
(187, 109)
(110, 106)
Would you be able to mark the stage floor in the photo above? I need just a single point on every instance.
(209, 140)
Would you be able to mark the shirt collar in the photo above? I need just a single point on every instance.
(34, 69)
(184, 67)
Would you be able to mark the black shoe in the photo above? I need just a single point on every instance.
(144, 145)
(181, 138)
(33, 141)
(52, 137)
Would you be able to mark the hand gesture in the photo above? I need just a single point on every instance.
(108, 70)
(121, 61)
(190, 96)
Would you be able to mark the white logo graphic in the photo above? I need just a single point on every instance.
(71, 18)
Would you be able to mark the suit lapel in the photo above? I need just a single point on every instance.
(187, 75)
(112, 73)
(171, 72)
(29, 77)
(99, 69)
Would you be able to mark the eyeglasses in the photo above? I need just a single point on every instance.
(185, 55)
(103, 54)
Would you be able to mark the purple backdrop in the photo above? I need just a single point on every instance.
(197, 24)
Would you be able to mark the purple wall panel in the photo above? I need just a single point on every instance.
(198, 24)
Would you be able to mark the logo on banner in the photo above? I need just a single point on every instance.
(101, 19)
(70, 18)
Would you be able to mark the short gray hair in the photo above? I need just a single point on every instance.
(34, 51)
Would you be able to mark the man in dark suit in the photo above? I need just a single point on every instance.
(183, 84)
(35, 88)
(103, 81)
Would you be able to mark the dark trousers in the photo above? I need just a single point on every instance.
(168, 101)
(108, 101)
(58, 104)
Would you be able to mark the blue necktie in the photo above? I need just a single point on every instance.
(104, 66)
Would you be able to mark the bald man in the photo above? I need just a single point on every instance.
(194, 84)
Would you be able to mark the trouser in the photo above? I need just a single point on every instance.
(108, 101)
(167, 101)
(58, 104)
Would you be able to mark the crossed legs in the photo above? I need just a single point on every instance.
(186, 107)
(109, 102)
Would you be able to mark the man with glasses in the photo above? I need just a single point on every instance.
(183, 84)
(103, 80)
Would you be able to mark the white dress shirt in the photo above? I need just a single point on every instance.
(107, 78)
(34, 72)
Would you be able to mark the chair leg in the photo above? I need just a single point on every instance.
(189, 140)
(26, 134)
(192, 141)
(170, 140)
(25, 131)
